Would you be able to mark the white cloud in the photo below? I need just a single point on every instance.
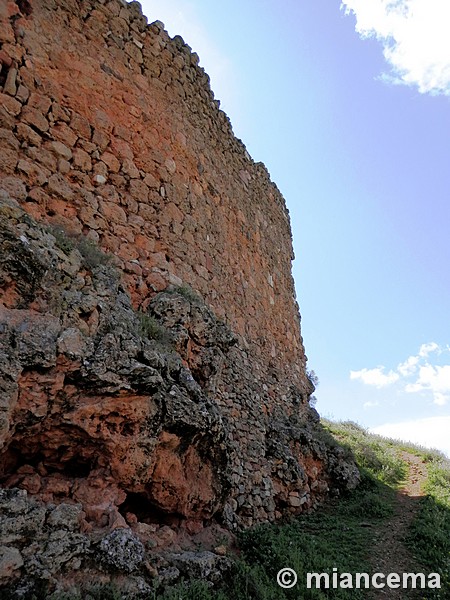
(415, 38)
(426, 349)
(427, 377)
(408, 367)
(435, 379)
(431, 432)
(375, 377)
(370, 404)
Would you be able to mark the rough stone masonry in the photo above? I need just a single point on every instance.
(152, 373)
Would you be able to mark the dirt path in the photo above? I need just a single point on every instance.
(389, 554)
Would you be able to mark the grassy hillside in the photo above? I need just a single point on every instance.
(343, 534)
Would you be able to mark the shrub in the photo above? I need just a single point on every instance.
(63, 240)
(149, 327)
(186, 291)
(313, 378)
(91, 255)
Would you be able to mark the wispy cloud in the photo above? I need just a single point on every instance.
(415, 39)
(431, 432)
(426, 349)
(435, 379)
(370, 404)
(416, 374)
(409, 366)
(375, 377)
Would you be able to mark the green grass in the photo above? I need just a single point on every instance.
(429, 535)
(430, 532)
(336, 537)
(375, 455)
(341, 535)
(186, 291)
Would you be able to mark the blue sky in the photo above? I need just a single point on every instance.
(349, 108)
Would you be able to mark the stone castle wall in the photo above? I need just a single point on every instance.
(113, 131)
(109, 129)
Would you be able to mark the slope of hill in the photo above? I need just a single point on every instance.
(396, 521)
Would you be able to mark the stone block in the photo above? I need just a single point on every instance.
(112, 212)
(63, 133)
(43, 157)
(138, 190)
(8, 160)
(58, 185)
(82, 160)
(28, 135)
(40, 103)
(130, 169)
(34, 117)
(80, 125)
(60, 150)
(111, 162)
(10, 86)
(36, 175)
(14, 187)
(10, 105)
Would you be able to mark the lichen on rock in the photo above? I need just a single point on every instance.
(122, 550)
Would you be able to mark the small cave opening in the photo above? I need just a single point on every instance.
(77, 467)
(10, 461)
(146, 511)
(31, 464)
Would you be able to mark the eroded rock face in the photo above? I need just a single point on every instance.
(92, 409)
(38, 541)
(122, 550)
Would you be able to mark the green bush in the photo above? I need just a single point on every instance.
(149, 327)
(186, 291)
(63, 240)
(313, 378)
(92, 256)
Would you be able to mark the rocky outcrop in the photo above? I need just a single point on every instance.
(93, 409)
(153, 385)
(114, 419)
